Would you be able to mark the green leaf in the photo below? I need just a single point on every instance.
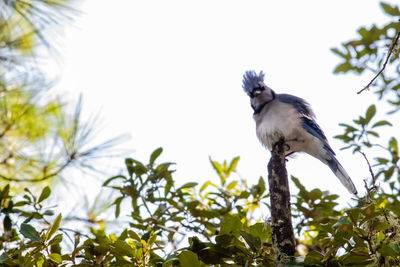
(56, 258)
(339, 53)
(382, 161)
(56, 239)
(231, 224)
(381, 123)
(261, 230)
(387, 250)
(40, 262)
(206, 184)
(218, 169)
(224, 240)
(344, 67)
(123, 248)
(261, 186)
(393, 11)
(373, 133)
(54, 227)
(313, 258)
(232, 185)
(117, 203)
(253, 242)
(134, 235)
(168, 187)
(113, 178)
(7, 223)
(342, 221)
(189, 259)
(30, 232)
(188, 185)
(371, 111)
(232, 166)
(156, 153)
(45, 194)
(394, 146)
(3, 257)
(315, 194)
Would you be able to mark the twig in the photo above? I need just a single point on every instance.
(370, 168)
(393, 45)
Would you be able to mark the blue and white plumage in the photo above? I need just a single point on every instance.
(290, 117)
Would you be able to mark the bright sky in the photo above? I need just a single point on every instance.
(169, 74)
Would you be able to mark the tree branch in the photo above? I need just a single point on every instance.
(392, 46)
(282, 229)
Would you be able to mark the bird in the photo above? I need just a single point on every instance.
(290, 117)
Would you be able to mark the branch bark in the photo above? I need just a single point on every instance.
(282, 229)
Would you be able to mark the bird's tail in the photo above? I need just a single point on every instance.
(340, 173)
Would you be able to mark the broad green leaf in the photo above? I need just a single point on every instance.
(156, 153)
(206, 184)
(315, 194)
(371, 111)
(189, 259)
(387, 250)
(382, 161)
(313, 258)
(7, 223)
(117, 203)
(45, 194)
(232, 165)
(224, 240)
(394, 146)
(56, 239)
(56, 258)
(232, 185)
(231, 224)
(30, 232)
(134, 235)
(373, 133)
(113, 178)
(344, 67)
(123, 248)
(218, 169)
(381, 123)
(3, 257)
(261, 230)
(253, 242)
(188, 185)
(54, 227)
(341, 54)
(168, 187)
(343, 221)
(39, 262)
(261, 186)
(393, 11)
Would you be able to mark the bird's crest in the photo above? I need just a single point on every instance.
(251, 80)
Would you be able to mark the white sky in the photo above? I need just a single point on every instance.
(169, 74)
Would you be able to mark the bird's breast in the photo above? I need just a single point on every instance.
(276, 122)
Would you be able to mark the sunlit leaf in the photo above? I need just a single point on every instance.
(54, 227)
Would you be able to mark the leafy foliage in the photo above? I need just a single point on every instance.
(221, 223)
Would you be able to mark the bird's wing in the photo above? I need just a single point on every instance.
(307, 117)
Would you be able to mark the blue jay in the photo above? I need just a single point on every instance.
(290, 117)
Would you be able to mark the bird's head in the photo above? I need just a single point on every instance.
(259, 93)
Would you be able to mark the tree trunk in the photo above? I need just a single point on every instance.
(282, 229)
